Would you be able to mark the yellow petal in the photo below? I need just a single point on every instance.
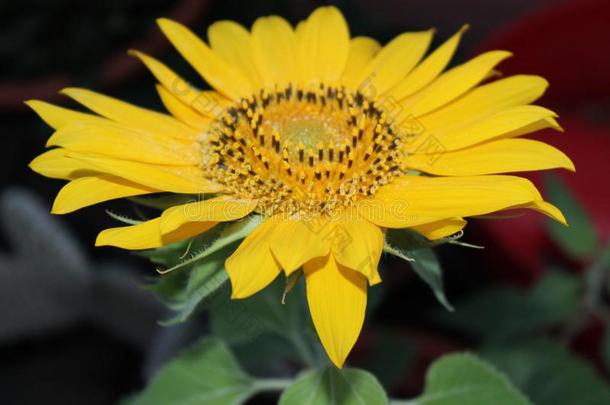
(232, 43)
(429, 69)
(440, 229)
(211, 103)
(274, 44)
(182, 111)
(510, 122)
(252, 266)
(549, 210)
(357, 244)
(135, 237)
(453, 83)
(502, 156)
(219, 209)
(129, 114)
(146, 235)
(323, 45)
(337, 302)
(58, 117)
(416, 200)
(489, 98)
(218, 73)
(208, 103)
(548, 122)
(545, 208)
(361, 52)
(393, 62)
(110, 139)
(175, 179)
(295, 242)
(86, 191)
(56, 164)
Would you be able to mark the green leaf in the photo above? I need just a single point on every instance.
(266, 352)
(168, 255)
(204, 281)
(231, 233)
(232, 320)
(332, 386)
(239, 321)
(428, 268)
(406, 240)
(554, 298)
(579, 239)
(549, 374)
(416, 249)
(198, 281)
(175, 253)
(500, 314)
(206, 374)
(164, 201)
(412, 248)
(466, 379)
(170, 288)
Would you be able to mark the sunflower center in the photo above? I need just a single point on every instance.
(303, 150)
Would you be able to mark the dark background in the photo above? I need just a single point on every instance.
(75, 326)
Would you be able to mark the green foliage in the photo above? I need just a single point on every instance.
(273, 324)
(503, 313)
(390, 358)
(331, 386)
(579, 239)
(266, 352)
(414, 248)
(197, 279)
(234, 320)
(262, 312)
(549, 374)
(240, 321)
(208, 373)
(406, 240)
(230, 234)
(165, 200)
(428, 268)
(204, 280)
(465, 379)
(205, 374)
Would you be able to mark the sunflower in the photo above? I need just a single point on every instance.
(330, 139)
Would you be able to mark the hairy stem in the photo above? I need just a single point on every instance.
(272, 384)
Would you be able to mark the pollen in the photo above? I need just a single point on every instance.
(303, 151)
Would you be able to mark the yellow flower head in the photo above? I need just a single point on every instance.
(330, 139)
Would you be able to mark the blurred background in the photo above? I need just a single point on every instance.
(77, 327)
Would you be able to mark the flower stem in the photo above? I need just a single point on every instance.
(272, 384)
